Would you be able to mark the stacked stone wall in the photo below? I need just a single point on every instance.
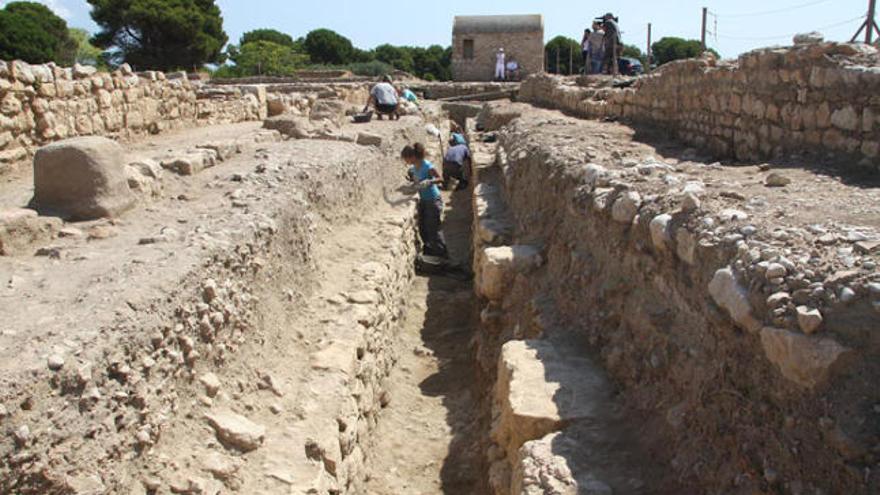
(771, 103)
(45, 103)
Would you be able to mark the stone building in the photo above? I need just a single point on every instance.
(476, 39)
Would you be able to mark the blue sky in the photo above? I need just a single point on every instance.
(742, 25)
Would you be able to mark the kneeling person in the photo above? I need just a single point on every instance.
(384, 98)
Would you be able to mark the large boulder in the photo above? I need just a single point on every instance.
(81, 179)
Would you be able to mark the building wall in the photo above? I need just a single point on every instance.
(820, 98)
(525, 48)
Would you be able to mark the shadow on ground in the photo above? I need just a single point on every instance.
(449, 325)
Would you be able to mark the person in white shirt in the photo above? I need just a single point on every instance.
(385, 99)
(500, 66)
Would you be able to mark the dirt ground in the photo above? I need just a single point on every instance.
(429, 438)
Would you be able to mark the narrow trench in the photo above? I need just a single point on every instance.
(430, 437)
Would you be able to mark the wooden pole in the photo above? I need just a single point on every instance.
(703, 31)
(570, 61)
(649, 51)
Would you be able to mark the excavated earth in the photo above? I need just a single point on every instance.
(642, 320)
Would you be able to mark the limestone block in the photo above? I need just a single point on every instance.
(236, 431)
(368, 139)
(542, 388)
(501, 264)
(190, 163)
(21, 228)
(809, 319)
(145, 177)
(626, 207)
(846, 118)
(332, 110)
(22, 72)
(81, 179)
(807, 361)
(291, 126)
(659, 228)
(83, 71)
(730, 295)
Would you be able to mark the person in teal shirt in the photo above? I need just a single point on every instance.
(408, 95)
(430, 208)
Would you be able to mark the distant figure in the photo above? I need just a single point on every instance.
(585, 51)
(612, 44)
(597, 48)
(384, 98)
(513, 70)
(500, 65)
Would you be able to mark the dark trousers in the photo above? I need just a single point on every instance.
(609, 62)
(453, 170)
(430, 215)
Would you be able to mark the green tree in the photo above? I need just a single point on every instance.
(567, 49)
(433, 63)
(401, 58)
(31, 32)
(161, 34)
(86, 52)
(265, 58)
(668, 49)
(328, 47)
(271, 35)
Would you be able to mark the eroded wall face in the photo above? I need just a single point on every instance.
(525, 48)
(820, 98)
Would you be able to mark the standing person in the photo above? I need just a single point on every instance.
(612, 44)
(385, 99)
(500, 65)
(597, 48)
(456, 165)
(430, 209)
(585, 51)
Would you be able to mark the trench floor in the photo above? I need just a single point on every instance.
(428, 440)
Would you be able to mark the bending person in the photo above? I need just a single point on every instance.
(430, 209)
(384, 99)
(456, 165)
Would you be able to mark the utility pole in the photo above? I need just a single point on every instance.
(703, 31)
(649, 51)
(557, 60)
(570, 61)
(870, 25)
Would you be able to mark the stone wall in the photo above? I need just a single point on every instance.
(44, 103)
(525, 48)
(771, 103)
(712, 337)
